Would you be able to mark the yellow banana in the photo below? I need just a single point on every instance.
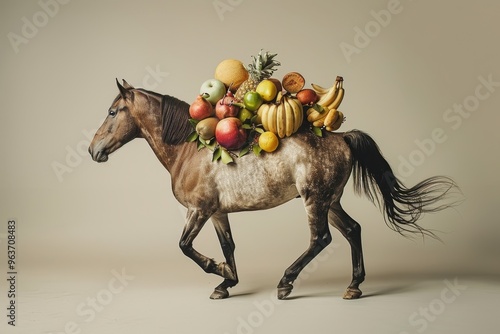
(298, 113)
(289, 118)
(279, 96)
(337, 124)
(281, 120)
(340, 96)
(320, 91)
(271, 119)
(320, 122)
(262, 114)
(333, 115)
(327, 98)
(309, 111)
(314, 115)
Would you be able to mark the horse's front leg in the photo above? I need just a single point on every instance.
(221, 224)
(196, 219)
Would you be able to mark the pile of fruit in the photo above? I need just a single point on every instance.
(246, 109)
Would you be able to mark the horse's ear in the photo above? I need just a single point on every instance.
(124, 92)
(127, 85)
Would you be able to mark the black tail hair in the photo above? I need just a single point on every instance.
(402, 206)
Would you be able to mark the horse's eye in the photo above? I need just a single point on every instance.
(112, 113)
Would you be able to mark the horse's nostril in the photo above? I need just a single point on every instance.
(100, 156)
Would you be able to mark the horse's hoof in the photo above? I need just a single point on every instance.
(352, 293)
(219, 294)
(284, 291)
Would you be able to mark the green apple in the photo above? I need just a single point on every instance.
(252, 100)
(215, 90)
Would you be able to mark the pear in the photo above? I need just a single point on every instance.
(206, 128)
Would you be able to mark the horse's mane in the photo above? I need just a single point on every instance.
(174, 120)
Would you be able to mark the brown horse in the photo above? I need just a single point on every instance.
(305, 166)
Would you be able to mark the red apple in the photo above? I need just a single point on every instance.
(307, 96)
(225, 107)
(229, 133)
(201, 108)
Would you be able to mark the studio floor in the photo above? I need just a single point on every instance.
(118, 302)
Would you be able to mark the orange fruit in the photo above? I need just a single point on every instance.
(268, 141)
(231, 72)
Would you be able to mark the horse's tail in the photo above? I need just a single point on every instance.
(402, 206)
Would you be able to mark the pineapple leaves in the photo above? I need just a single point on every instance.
(263, 65)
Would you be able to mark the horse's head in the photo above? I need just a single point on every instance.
(119, 126)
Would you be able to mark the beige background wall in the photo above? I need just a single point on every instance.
(409, 67)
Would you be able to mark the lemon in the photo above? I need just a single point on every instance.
(231, 72)
(268, 141)
(267, 89)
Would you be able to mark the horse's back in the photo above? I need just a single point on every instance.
(331, 147)
(303, 164)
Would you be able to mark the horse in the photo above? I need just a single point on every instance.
(306, 166)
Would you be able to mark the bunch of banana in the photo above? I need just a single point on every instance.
(328, 115)
(331, 97)
(283, 118)
(330, 118)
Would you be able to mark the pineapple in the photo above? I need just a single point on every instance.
(262, 67)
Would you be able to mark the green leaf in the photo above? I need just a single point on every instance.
(317, 131)
(210, 144)
(256, 150)
(319, 108)
(193, 122)
(201, 145)
(226, 157)
(217, 154)
(244, 151)
(253, 120)
(246, 126)
(192, 137)
(259, 130)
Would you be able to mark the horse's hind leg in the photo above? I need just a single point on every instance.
(351, 230)
(320, 238)
(221, 224)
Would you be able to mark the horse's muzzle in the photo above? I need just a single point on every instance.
(98, 155)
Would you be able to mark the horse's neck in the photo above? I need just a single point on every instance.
(149, 121)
